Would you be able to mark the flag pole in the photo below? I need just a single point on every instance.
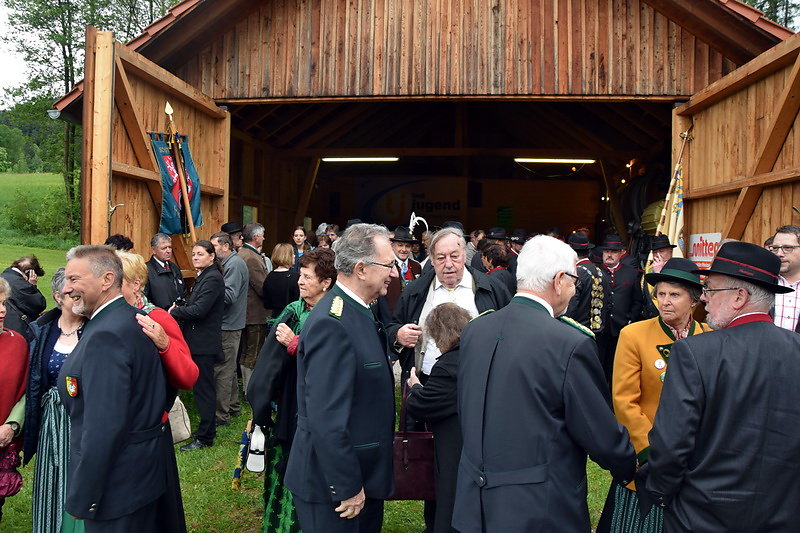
(175, 146)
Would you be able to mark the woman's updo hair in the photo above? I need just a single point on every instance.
(322, 259)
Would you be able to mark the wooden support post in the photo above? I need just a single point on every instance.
(305, 193)
(97, 151)
(771, 146)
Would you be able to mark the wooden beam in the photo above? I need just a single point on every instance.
(305, 194)
(129, 114)
(88, 125)
(449, 151)
(771, 61)
(447, 98)
(310, 121)
(255, 118)
(136, 173)
(355, 112)
(97, 162)
(785, 115)
(778, 177)
(158, 76)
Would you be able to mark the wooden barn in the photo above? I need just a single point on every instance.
(457, 91)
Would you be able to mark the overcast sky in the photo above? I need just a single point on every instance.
(12, 67)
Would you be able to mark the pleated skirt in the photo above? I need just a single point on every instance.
(50, 471)
(279, 513)
(626, 517)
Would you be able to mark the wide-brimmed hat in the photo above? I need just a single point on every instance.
(743, 260)
(518, 236)
(497, 234)
(403, 234)
(578, 241)
(231, 227)
(676, 270)
(612, 241)
(353, 222)
(660, 241)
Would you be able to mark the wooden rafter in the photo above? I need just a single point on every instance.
(769, 150)
(305, 193)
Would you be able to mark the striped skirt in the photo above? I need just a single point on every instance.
(50, 472)
(279, 513)
(626, 517)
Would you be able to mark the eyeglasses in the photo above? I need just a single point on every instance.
(578, 282)
(706, 290)
(387, 265)
(786, 248)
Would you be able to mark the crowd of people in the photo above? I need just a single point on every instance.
(522, 353)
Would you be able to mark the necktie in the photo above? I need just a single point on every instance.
(403, 269)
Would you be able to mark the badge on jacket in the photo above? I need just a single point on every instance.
(72, 386)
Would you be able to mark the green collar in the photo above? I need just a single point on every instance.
(530, 303)
(339, 292)
(113, 305)
(668, 331)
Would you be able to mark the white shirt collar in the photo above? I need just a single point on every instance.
(104, 306)
(160, 262)
(351, 294)
(537, 299)
(21, 273)
(466, 281)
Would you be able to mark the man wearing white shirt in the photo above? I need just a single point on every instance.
(407, 269)
(786, 245)
(449, 281)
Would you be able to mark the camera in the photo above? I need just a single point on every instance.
(180, 301)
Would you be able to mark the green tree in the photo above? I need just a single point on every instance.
(781, 11)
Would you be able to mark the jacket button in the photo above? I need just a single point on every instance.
(93, 508)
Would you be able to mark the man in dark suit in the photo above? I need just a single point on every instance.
(495, 236)
(164, 278)
(623, 299)
(25, 302)
(407, 269)
(340, 468)
(588, 305)
(532, 403)
(113, 388)
(724, 445)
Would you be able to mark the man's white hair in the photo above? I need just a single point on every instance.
(540, 260)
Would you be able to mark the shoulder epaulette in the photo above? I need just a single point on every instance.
(337, 306)
(577, 325)
(483, 314)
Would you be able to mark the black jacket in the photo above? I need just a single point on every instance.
(201, 316)
(164, 285)
(490, 293)
(588, 305)
(506, 277)
(345, 405)
(724, 444)
(533, 403)
(23, 305)
(437, 403)
(623, 296)
(113, 388)
(45, 333)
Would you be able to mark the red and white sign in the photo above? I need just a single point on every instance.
(703, 247)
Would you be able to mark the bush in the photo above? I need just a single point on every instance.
(47, 214)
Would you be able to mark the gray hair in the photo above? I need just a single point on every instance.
(357, 244)
(5, 288)
(759, 296)
(694, 291)
(57, 283)
(157, 238)
(444, 232)
(251, 231)
(223, 238)
(101, 258)
(541, 259)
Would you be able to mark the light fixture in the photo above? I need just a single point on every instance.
(602, 198)
(360, 159)
(622, 181)
(53, 113)
(553, 160)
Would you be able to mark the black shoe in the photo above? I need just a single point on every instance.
(194, 445)
(222, 424)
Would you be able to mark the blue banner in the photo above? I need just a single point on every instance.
(173, 219)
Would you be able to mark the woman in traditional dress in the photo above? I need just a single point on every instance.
(13, 375)
(55, 335)
(640, 364)
(275, 380)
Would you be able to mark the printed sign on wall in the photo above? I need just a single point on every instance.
(703, 247)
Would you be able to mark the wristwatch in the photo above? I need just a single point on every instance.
(14, 427)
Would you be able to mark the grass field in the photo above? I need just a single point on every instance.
(210, 503)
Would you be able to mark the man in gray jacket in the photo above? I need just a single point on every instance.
(233, 321)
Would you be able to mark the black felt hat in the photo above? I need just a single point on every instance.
(231, 227)
(578, 241)
(612, 241)
(676, 270)
(743, 260)
(660, 241)
(518, 236)
(403, 234)
(497, 234)
(353, 222)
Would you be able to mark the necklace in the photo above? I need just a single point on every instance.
(71, 333)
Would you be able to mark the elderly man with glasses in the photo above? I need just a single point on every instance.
(786, 245)
(723, 448)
